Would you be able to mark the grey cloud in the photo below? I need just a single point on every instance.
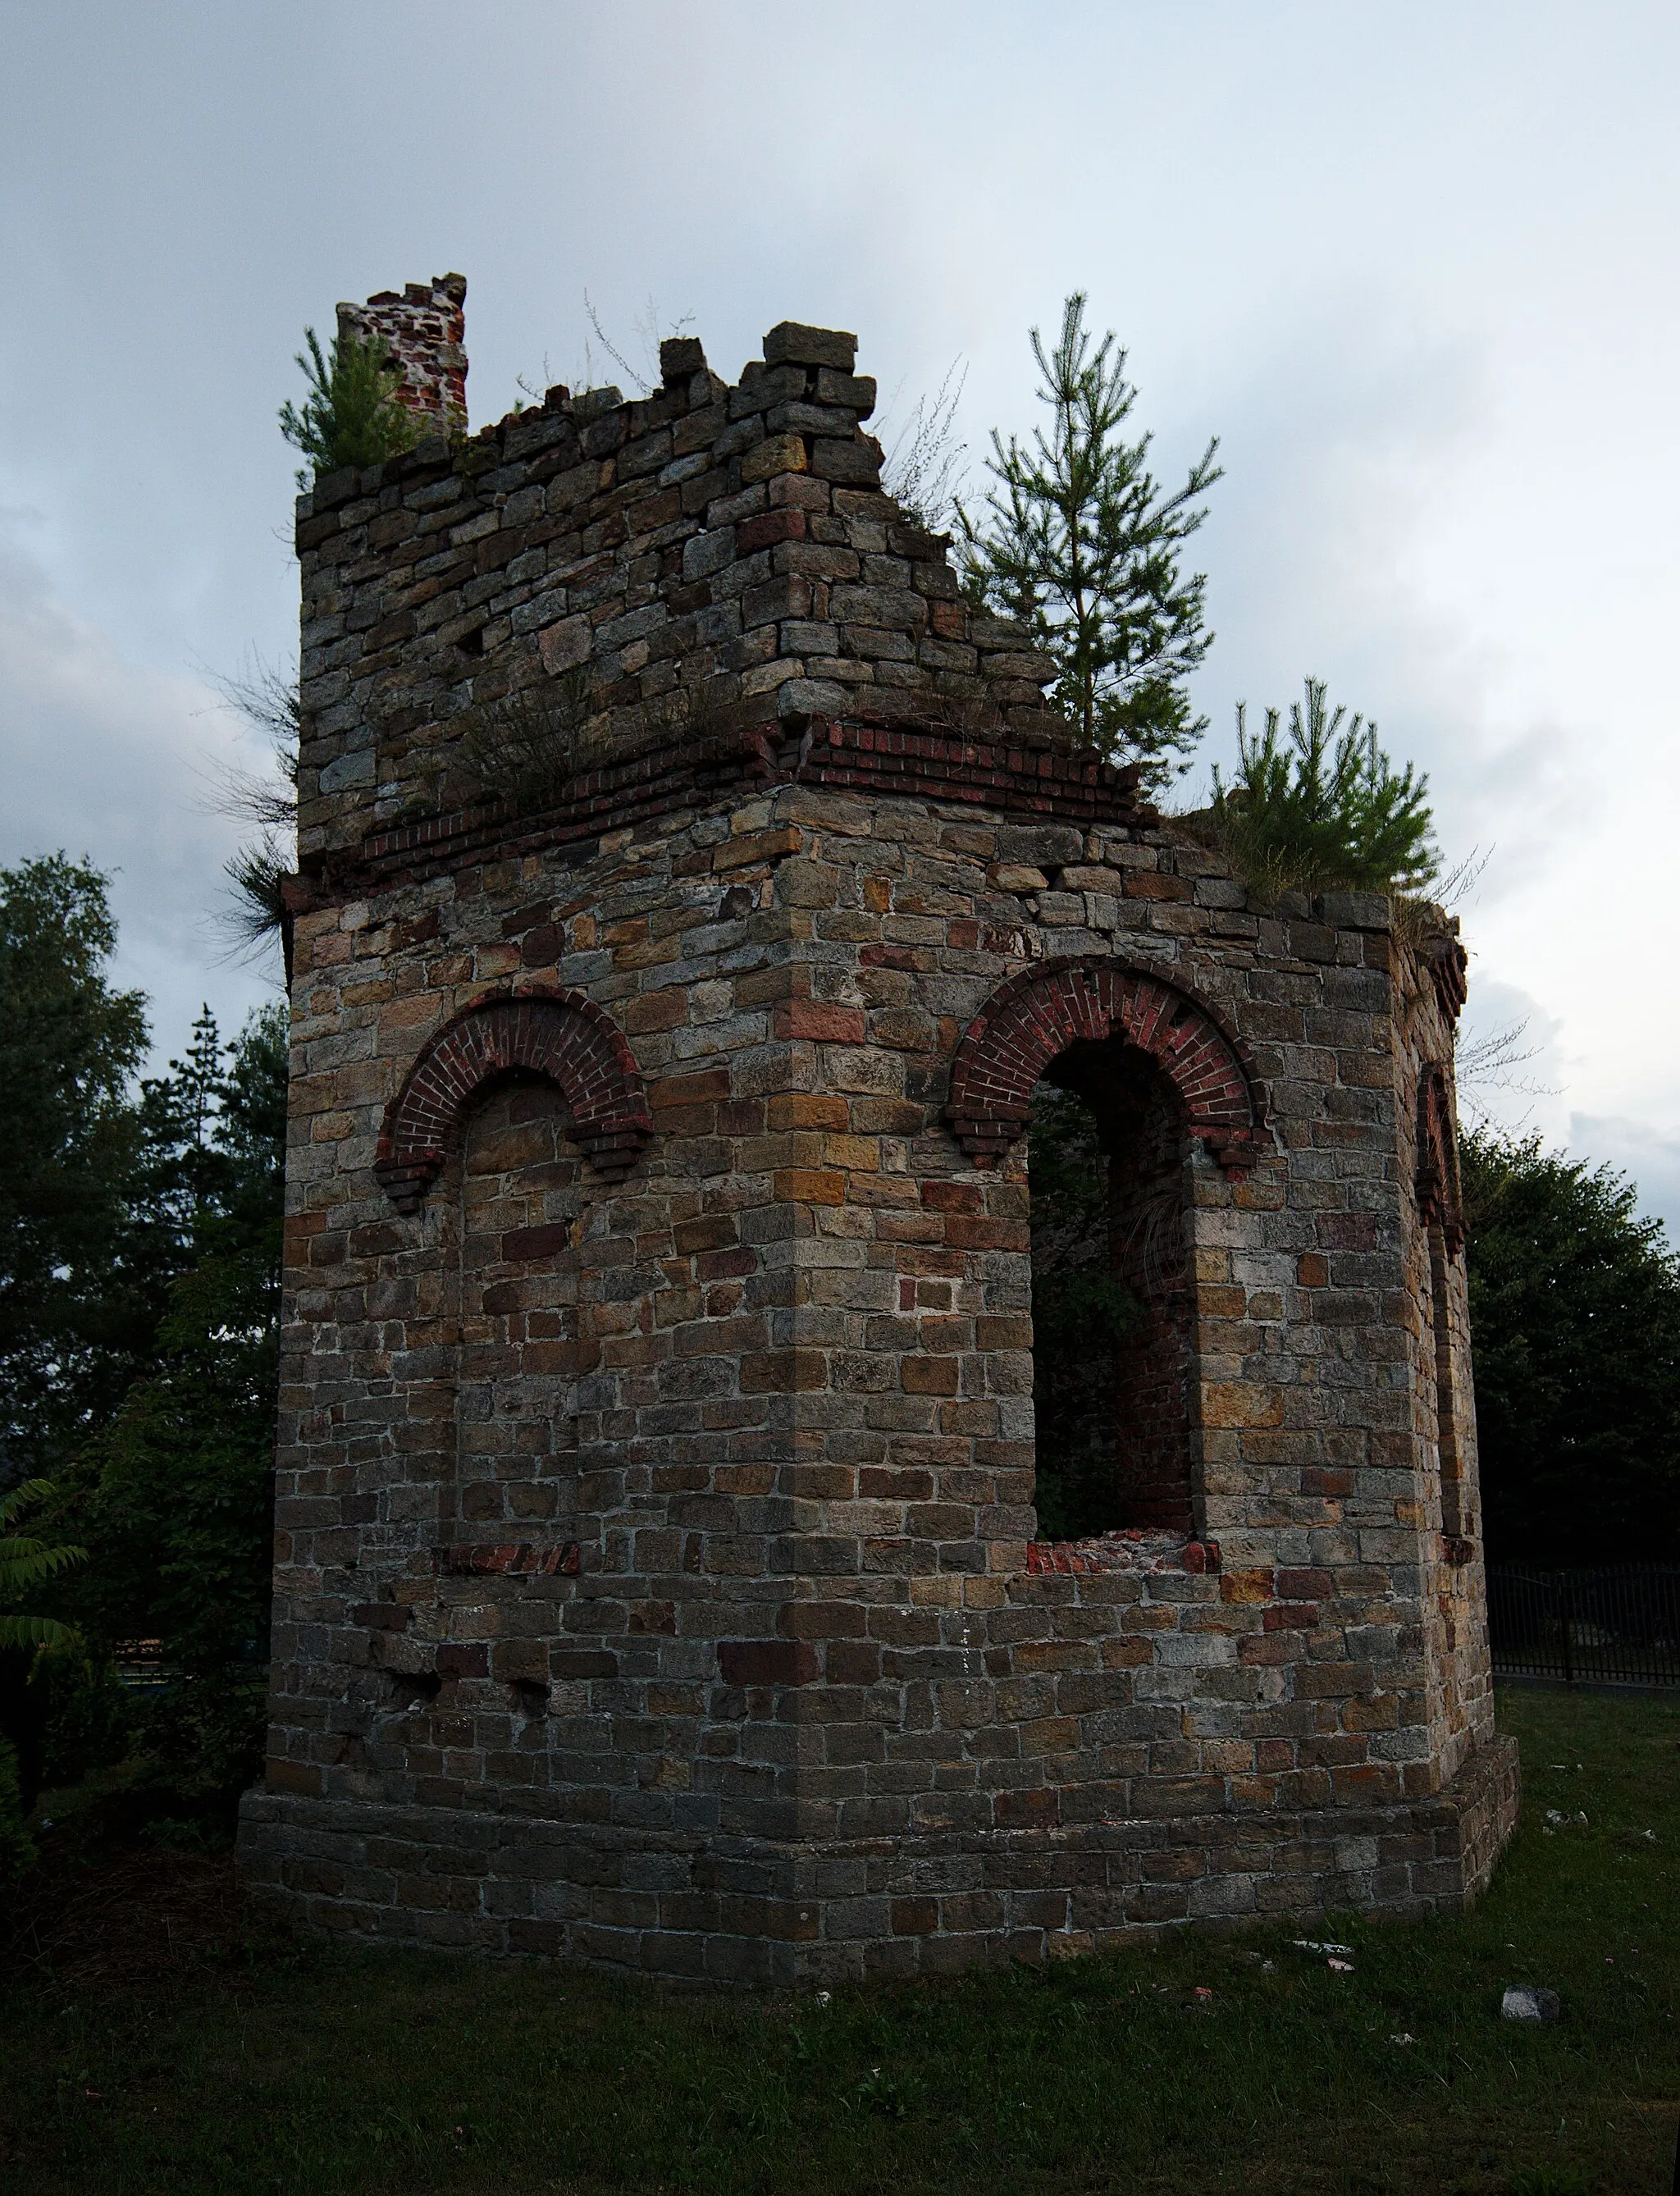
(1512, 1067)
(106, 758)
(1404, 273)
(1339, 443)
(1649, 1158)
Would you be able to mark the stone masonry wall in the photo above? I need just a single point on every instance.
(1429, 987)
(657, 1577)
(707, 561)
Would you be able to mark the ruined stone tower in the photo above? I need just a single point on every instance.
(693, 889)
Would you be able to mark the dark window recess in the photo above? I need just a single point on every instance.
(1113, 1305)
(1447, 1412)
(413, 1688)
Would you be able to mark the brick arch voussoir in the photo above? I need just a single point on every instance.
(1035, 1016)
(560, 1035)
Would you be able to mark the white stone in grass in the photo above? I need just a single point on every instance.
(1521, 2003)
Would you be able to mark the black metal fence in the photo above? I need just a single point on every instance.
(1617, 1627)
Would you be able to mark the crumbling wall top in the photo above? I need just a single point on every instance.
(574, 602)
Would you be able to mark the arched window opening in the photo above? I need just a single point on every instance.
(1113, 1305)
(1441, 1209)
(522, 1194)
(560, 1036)
(1446, 1399)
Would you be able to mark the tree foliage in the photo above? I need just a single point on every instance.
(176, 1501)
(1575, 1334)
(163, 1478)
(27, 1562)
(1080, 542)
(271, 701)
(1079, 1312)
(17, 1848)
(1327, 812)
(351, 415)
(256, 910)
(174, 1497)
(69, 1045)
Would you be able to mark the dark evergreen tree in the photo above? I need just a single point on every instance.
(140, 1239)
(174, 1498)
(1575, 1332)
(1079, 541)
(69, 1046)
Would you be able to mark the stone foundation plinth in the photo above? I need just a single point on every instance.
(763, 1911)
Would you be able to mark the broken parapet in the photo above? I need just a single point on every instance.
(709, 566)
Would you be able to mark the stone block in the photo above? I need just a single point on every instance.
(777, 454)
(853, 462)
(788, 343)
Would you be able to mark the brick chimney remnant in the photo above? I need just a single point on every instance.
(424, 331)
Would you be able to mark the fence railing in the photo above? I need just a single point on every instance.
(1615, 1627)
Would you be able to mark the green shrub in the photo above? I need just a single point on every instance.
(17, 1848)
(86, 1713)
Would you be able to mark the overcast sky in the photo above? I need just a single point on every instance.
(1413, 265)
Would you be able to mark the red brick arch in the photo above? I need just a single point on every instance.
(560, 1035)
(1028, 1021)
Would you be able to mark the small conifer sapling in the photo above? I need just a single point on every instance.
(352, 415)
(1327, 811)
(1078, 540)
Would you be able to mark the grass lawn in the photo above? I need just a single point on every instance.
(260, 2065)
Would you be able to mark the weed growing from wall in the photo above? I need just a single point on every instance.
(528, 746)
